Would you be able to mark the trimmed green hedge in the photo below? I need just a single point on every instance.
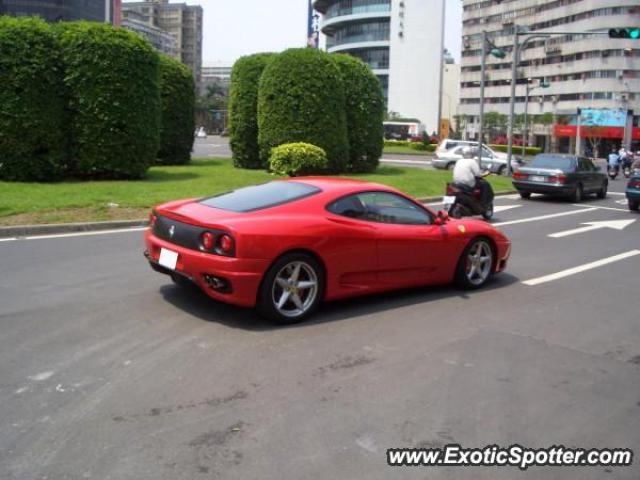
(114, 101)
(177, 125)
(413, 145)
(365, 110)
(301, 99)
(243, 109)
(516, 150)
(298, 159)
(32, 102)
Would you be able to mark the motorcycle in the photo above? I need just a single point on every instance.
(465, 202)
(612, 171)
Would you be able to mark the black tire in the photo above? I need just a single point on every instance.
(451, 165)
(502, 170)
(462, 277)
(455, 211)
(525, 195)
(634, 205)
(578, 195)
(266, 304)
(602, 193)
(488, 213)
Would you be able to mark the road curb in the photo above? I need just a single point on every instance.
(51, 229)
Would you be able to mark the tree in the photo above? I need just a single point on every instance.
(301, 99)
(495, 124)
(364, 103)
(111, 76)
(243, 110)
(177, 125)
(32, 102)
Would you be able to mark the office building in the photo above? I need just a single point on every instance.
(182, 21)
(216, 73)
(401, 40)
(585, 69)
(161, 40)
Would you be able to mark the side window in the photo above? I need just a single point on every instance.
(384, 207)
(350, 206)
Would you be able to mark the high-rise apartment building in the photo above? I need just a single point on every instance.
(401, 40)
(182, 21)
(56, 10)
(161, 40)
(585, 69)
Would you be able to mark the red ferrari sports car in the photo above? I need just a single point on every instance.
(287, 245)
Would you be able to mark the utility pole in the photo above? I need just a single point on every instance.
(483, 63)
(441, 72)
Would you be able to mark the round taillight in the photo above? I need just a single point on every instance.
(226, 243)
(207, 240)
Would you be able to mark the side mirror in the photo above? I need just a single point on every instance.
(441, 219)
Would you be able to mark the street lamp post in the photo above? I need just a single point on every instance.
(488, 48)
(525, 135)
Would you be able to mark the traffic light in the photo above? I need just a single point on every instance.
(632, 33)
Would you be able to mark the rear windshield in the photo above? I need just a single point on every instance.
(551, 161)
(258, 197)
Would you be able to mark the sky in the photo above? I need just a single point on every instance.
(241, 27)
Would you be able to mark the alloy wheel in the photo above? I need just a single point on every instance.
(294, 289)
(478, 263)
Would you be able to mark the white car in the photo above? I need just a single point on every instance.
(495, 162)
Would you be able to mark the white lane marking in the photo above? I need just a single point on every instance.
(502, 208)
(615, 193)
(76, 234)
(581, 268)
(543, 217)
(41, 376)
(605, 208)
(511, 196)
(614, 224)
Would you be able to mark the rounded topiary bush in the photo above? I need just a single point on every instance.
(177, 124)
(32, 102)
(243, 109)
(365, 109)
(298, 159)
(301, 99)
(114, 102)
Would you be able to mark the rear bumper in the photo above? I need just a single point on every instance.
(632, 194)
(243, 275)
(546, 189)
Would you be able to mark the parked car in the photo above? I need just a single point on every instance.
(561, 175)
(633, 191)
(495, 162)
(287, 245)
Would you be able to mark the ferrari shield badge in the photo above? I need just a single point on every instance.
(462, 228)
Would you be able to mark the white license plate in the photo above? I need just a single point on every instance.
(168, 258)
(448, 200)
(536, 178)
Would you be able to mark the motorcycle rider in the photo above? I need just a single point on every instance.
(614, 158)
(467, 175)
(624, 157)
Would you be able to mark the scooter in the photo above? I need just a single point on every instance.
(612, 171)
(465, 202)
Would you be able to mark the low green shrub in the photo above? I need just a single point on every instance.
(298, 159)
(177, 90)
(421, 147)
(397, 143)
(33, 141)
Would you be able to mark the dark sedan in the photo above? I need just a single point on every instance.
(633, 191)
(561, 175)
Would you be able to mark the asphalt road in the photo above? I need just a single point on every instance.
(108, 371)
(214, 146)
